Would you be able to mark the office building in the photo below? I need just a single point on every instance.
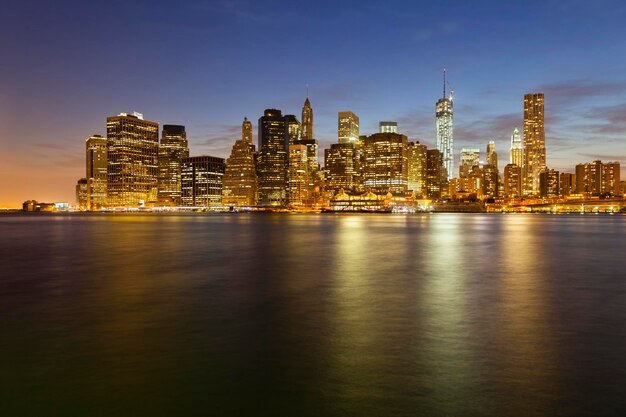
(340, 165)
(436, 176)
(387, 127)
(307, 120)
(272, 158)
(567, 184)
(173, 148)
(534, 142)
(416, 177)
(611, 178)
(96, 172)
(490, 181)
(347, 127)
(492, 156)
(589, 179)
(385, 167)
(294, 129)
(549, 183)
(298, 175)
(81, 194)
(239, 184)
(132, 168)
(470, 158)
(513, 181)
(201, 181)
(445, 130)
(517, 149)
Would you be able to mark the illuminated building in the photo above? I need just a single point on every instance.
(347, 127)
(416, 176)
(458, 186)
(298, 175)
(239, 185)
(96, 172)
(201, 181)
(272, 159)
(513, 181)
(81, 193)
(567, 184)
(549, 183)
(435, 173)
(307, 120)
(492, 156)
(470, 158)
(490, 181)
(385, 167)
(294, 129)
(445, 129)
(611, 183)
(517, 149)
(132, 170)
(340, 164)
(387, 127)
(589, 178)
(534, 142)
(172, 150)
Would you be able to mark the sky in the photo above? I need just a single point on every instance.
(67, 65)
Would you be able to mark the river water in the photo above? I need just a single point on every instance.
(312, 315)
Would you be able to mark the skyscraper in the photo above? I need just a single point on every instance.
(347, 127)
(298, 175)
(490, 181)
(340, 164)
(549, 183)
(96, 173)
(470, 158)
(201, 181)
(444, 129)
(513, 181)
(492, 156)
(435, 173)
(387, 127)
(132, 170)
(294, 129)
(173, 148)
(239, 185)
(534, 142)
(517, 149)
(272, 158)
(385, 162)
(81, 193)
(307, 120)
(416, 159)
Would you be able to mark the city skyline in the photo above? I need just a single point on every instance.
(48, 114)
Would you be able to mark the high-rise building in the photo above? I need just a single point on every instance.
(340, 164)
(201, 181)
(272, 158)
(239, 185)
(490, 181)
(435, 173)
(385, 166)
(246, 131)
(589, 178)
(445, 130)
(492, 156)
(517, 149)
(298, 175)
(567, 184)
(347, 127)
(173, 148)
(534, 142)
(294, 129)
(611, 183)
(470, 158)
(96, 172)
(468, 185)
(387, 127)
(81, 193)
(549, 183)
(307, 120)
(513, 181)
(132, 170)
(417, 160)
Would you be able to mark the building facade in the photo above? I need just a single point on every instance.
(513, 181)
(201, 181)
(385, 167)
(173, 148)
(341, 167)
(347, 127)
(272, 158)
(435, 174)
(549, 183)
(470, 158)
(298, 175)
(239, 184)
(517, 149)
(534, 142)
(132, 166)
(96, 172)
(445, 130)
(387, 127)
(417, 161)
(307, 120)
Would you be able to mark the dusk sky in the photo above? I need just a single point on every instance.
(68, 65)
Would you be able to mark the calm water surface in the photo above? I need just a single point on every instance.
(312, 315)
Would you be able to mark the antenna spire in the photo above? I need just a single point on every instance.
(307, 90)
(444, 83)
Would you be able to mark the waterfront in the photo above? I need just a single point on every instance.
(278, 314)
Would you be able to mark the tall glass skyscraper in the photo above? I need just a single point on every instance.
(96, 173)
(173, 148)
(517, 149)
(347, 127)
(444, 129)
(272, 160)
(534, 142)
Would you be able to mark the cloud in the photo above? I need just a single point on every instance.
(609, 120)
(441, 29)
(604, 157)
(216, 140)
(574, 91)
